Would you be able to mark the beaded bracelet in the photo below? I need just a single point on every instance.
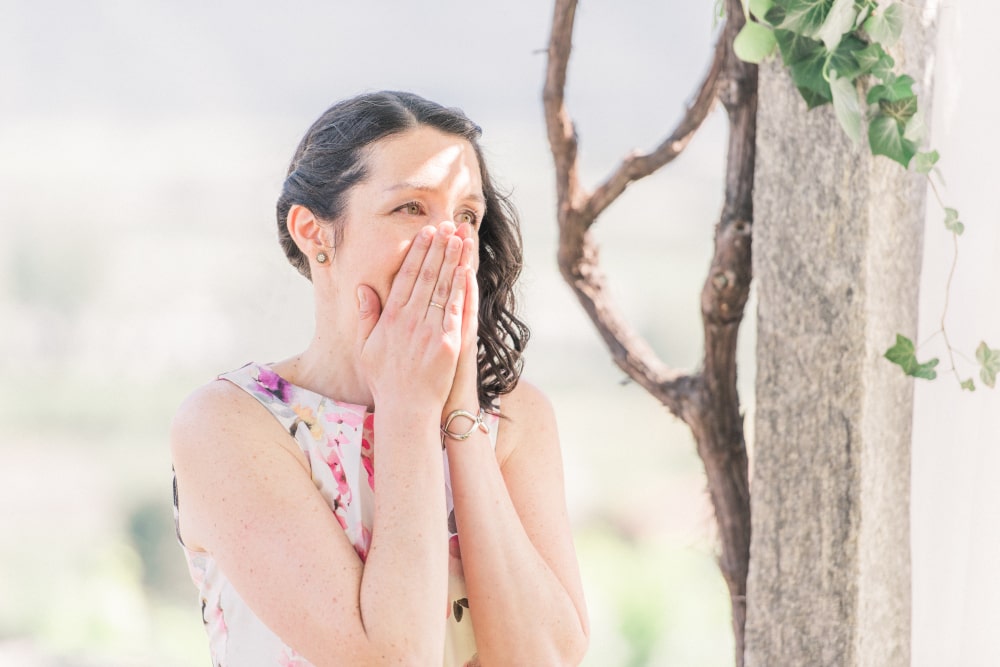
(477, 422)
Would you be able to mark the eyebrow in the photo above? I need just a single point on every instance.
(420, 187)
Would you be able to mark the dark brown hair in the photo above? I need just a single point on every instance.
(330, 160)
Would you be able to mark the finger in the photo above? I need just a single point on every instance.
(402, 284)
(468, 234)
(470, 317)
(454, 310)
(468, 254)
(369, 309)
(427, 278)
(446, 277)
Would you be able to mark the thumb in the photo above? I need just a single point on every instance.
(369, 308)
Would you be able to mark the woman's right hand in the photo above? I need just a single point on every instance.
(408, 348)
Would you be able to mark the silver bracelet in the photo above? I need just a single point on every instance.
(477, 422)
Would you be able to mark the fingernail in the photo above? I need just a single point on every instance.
(361, 298)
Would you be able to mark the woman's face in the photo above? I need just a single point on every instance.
(417, 178)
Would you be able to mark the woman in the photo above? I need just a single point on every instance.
(316, 515)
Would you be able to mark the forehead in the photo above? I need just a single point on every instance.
(426, 157)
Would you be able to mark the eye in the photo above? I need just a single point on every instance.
(467, 216)
(411, 208)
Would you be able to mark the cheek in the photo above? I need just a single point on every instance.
(389, 261)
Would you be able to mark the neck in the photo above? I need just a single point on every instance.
(329, 366)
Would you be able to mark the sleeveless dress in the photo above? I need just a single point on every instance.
(338, 443)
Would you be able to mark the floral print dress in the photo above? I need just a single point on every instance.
(338, 442)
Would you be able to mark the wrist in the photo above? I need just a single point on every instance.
(466, 400)
(461, 424)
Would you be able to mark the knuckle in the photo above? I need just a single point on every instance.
(428, 274)
(409, 270)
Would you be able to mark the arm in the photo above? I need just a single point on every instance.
(247, 497)
(525, 595)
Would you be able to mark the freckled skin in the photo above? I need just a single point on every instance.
(409, 240)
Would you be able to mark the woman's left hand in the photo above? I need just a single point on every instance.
(465, 387)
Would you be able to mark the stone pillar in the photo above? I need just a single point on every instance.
(837, 248)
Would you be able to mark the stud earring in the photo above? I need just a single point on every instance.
(321, 258)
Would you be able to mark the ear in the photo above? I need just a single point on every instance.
(307, 231)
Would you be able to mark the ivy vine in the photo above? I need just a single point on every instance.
(833, 49)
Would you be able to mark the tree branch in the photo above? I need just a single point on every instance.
(635, 167)
(578, 254)
(707, 401)
(562, 134)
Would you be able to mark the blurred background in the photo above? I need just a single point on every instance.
(142, 147)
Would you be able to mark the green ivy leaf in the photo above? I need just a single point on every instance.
(754, 42)
(895, 89)
(843, 61)
(874, 57)
(760, 8)
(847, 106)
(901, 110)
(968, 385)
(775, 15)
(864, 11)
(838, 22)
(885, 136)
(904, 355)
(951, 222)
(805, 59)
(886, 26)
(923, 163)
(805, 17)
(916, 128)
(989, 360)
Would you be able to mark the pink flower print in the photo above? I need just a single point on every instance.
(275, 385)
(369, 464)
(214, 620)
(343, 497)
(337, 468)
(363, 546)
(290, 658)
(368, 449)
(345, 416)
(340, 514)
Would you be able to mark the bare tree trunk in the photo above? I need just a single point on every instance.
(707, 401)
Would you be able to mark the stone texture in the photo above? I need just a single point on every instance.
(837, 247)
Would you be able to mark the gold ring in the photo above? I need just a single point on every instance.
(436, 305)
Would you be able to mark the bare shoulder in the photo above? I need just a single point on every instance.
(525, 398)
(219, 438)
(529, 422)
(218, 412)
(205, 405)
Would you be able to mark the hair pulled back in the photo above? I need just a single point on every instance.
(331, 159)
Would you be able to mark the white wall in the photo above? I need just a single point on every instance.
(956, 444)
